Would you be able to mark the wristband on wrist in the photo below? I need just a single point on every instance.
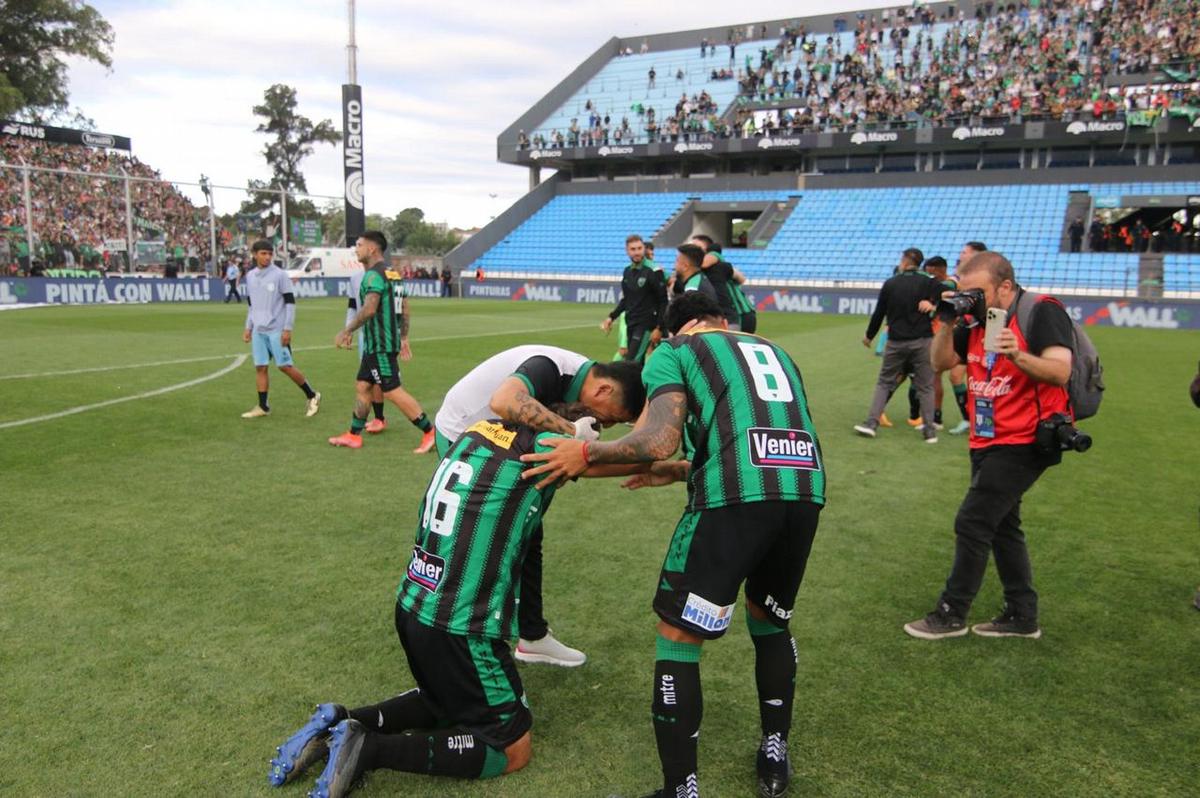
(586, 454)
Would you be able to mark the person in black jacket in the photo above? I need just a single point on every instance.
(906, 300)
(643, 301)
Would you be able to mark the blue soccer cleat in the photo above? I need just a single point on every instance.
(305, 746)
(344, 768)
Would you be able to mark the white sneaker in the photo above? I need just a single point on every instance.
(549, 651)
(256, 412)
(960, 428)
(313, 406)
(863, 429)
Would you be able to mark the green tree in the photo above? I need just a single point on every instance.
(36, 38)
(293, 138)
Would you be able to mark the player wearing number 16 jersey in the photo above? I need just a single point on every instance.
(455, 610)
(755, 490)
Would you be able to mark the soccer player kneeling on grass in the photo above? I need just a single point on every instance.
(455, 610)
(385, 334)
(755, 490)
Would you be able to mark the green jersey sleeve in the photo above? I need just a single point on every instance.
(663, 373)
(374, 283)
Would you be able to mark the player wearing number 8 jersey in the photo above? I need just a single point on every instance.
(455, 610)
(755, 490)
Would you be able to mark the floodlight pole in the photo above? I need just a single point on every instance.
(130, 250)
(28, 212)
(352, 138)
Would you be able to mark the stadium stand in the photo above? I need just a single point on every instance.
(1033, 61)
(73, 214)
(852, 236)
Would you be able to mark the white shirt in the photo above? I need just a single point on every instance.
(469, 400)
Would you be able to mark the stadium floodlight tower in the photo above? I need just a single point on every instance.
(352, 146)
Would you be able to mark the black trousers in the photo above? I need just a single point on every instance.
(989, 522)
(531, 624)
(232, 292)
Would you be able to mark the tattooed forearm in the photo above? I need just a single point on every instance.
(656, 439)
(524, 409)
(369, 308)
(404, 318)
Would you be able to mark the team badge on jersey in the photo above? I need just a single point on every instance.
(708, 616)
(426, 569)
(771, 447)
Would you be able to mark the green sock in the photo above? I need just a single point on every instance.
(422, 423)
(357, 424)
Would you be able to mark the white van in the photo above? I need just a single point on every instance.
(324, 262)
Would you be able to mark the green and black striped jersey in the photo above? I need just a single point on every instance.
(464, 574)
(748, 418)
(381, 333)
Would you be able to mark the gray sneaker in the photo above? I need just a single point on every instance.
(1009, 624)
(867, 428)
(937, 625)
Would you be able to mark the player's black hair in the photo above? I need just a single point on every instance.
(706, 240)
(936, 262)
(715, 247)
(914, 256)
(688, 306)
(693, 253)
(978, 246)
(262, 244)
(376, 237)
(628, 375)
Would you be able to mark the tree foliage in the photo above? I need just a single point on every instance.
(36, 36)
(293, 138)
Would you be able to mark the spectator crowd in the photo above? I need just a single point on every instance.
(1053, 59)
(74, 214)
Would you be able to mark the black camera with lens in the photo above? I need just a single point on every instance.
(1058, 434)
(966, 305)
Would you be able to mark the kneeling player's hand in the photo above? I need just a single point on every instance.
(585, 429)
(564, 461)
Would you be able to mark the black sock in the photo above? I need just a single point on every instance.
(403, 713)
(440, 752)
(914, 403)
(937, 415)
(262, 400)
(378, 408)
(960, 398)
(775, 677)
(308, 391)
(422, 423)
(677, 709)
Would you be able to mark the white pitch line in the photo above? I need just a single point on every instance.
(240, 359)
(96, 369)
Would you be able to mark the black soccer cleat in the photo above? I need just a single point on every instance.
(774, 768)
(345, 769)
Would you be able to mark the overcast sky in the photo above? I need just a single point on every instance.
(440, 81)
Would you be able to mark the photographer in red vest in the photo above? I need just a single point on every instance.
(1010, 393)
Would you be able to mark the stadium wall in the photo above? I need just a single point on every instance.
(1171, 315)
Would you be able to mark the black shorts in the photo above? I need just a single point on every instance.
(470, 682)
(637, 341)
(381, 370)
(765, 544)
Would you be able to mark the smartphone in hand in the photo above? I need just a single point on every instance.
(997, 320)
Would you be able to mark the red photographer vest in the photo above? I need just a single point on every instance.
(1019, 401)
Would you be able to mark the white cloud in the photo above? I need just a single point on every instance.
(440, 82)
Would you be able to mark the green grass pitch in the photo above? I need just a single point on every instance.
(179, 586)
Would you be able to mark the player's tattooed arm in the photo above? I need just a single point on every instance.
(512, 402)
(345, 338)
(404, 318)
(656, 438)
